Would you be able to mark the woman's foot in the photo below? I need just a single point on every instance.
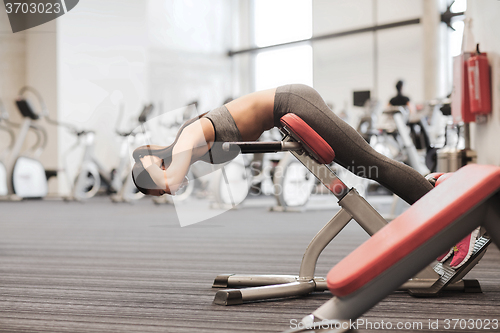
(445, 256)
(463, 250)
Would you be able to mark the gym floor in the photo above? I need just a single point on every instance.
(103, 267)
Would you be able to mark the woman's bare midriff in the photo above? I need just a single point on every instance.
(253, 113)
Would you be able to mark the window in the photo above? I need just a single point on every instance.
(276, 22)
(457, 35)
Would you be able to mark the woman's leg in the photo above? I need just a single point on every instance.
(351, 150)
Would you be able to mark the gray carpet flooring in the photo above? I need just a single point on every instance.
(104, 267)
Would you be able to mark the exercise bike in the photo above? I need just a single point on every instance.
(394, 124)
(128, 192)
(277, 174)
(92, 174)
(27, 178)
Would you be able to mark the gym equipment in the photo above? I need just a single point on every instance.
(170, 123)
(395, 115)
(277, 173)
(293, 184)
(467, 199)
(315, 154)
(280, 174)
(92, 174)
(284, 177)
(27, 177)
(456, 151)
(367, 118)
(231, 186)
(126, 190)
(396, 142)
(88, 180)
(405, 143)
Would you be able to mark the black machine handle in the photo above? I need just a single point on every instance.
(26, 109)
(261, 147)
(394, 109)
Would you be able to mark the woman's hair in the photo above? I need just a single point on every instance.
(143, 180)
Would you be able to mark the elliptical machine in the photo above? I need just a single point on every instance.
(92, 174)
(25, 173)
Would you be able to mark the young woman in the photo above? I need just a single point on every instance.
(160, 170)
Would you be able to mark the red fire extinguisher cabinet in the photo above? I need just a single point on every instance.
(478, 77)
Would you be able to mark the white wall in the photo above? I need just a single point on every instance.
(12, 69)
(400, 57)
(132, 52)
(341, 66)
(189, 41)
(242, 38)
(485, 26)
(104, 55)
(368, 61)
(102, 66)
(344, 64)
(41, 74)
(29, 58)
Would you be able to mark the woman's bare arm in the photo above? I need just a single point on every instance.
(194, 141)
(252, 114)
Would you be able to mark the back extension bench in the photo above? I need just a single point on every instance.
(315, 154)
(464, 201)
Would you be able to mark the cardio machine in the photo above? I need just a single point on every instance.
(27, 178)
(396, 123)
(279, 174)
(126, 190)
(91, 174)
(315, 154)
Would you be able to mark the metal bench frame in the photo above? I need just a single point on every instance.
(353, 206)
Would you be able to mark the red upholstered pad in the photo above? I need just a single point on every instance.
(428, 216)
(320, 150)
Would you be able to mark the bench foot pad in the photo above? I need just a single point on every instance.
(228, 297)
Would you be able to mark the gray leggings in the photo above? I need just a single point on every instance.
(351, 150)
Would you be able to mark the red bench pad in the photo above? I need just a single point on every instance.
(307, 136)
(432, 213)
